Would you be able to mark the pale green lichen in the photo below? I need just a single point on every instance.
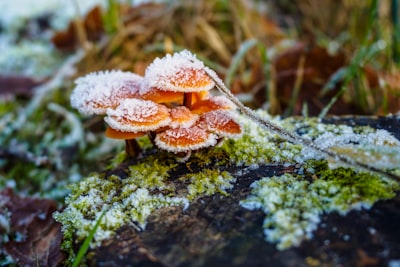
(123, 202)
(258, 146)
(132, 199)
(293, 203)
(154, 177)
(209, 182)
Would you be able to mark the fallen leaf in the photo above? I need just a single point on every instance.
(35, 237)
(13, 85)
(93, 26)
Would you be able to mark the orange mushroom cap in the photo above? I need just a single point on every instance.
(220, 122)
(98, 91)
(212, 103)
(161, 96)
(115, 134)
(137, 115)
(180, 72)
(182, 117)
(184, 139)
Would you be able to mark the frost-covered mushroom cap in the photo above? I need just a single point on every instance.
(182, 117)
(180, 72)
(221, 123)
(98, 91)
(185, 139)
(136, 115)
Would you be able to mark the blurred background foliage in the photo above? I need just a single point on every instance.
(291, 57)
(303, 57)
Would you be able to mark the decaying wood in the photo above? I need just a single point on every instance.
(217, 231)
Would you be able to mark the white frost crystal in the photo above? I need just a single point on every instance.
(132, 204)
(136, 115)
(96, 92)
(180, 72)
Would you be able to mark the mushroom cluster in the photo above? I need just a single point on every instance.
(171, 103)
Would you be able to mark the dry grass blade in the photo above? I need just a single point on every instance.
(214, 40)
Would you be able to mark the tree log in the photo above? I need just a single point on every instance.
(217, 231)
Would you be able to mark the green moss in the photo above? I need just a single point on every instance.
(119, 158)
(122, 201)
(134, 198)
(293, 203)
(152, 174)
(290, 216)
(348, 189)
(209, 182)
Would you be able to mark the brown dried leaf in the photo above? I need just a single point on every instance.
(92, 24)
(12, 85)
(32, 219)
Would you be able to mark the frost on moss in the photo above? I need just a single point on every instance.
(123, 202)
(293, 203)
(129, 201)
(258, 146)
(209, 182)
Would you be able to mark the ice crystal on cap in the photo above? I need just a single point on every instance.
(220, 122)
(136, 115)
(96, 92)
(185, 139)
(182, 117)
(180, 72)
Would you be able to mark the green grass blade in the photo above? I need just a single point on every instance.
(85, 246)
(237, 59)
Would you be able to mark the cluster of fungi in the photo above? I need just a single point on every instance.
(171, 103)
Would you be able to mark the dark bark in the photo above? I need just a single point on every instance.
(217, 231)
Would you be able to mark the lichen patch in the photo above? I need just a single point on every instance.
(292, 203)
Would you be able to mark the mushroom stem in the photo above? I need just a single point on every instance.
(187, 100)
(132, 147)
(152, 136)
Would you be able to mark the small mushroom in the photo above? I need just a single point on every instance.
(221, 123)
(96, 92)
(180, 72)
(137, 116)
(172, 104)
(185, 139)
(182, 117)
